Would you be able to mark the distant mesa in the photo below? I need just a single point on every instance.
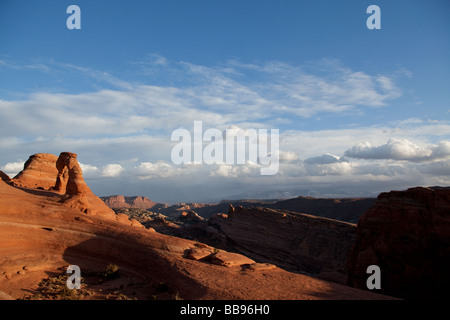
(121, 202)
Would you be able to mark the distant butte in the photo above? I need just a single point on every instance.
(119, 202)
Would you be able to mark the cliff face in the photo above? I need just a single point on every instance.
(407, 234)
(296, 242)
(119, 202)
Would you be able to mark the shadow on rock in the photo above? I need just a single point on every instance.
(146, 273)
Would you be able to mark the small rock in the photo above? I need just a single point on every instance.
(174, 248)
(260, 266)
(7, 275)
(230, 259)
(199, 253)
(202, 245)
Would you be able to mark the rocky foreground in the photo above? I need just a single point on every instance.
(405, 233)
(49, 219)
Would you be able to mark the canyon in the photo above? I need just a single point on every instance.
(283, 249)
(52, 220)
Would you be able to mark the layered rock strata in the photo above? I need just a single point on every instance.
(120, 202)
(39, 172)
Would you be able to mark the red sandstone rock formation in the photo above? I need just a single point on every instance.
(39, 236)
(191, 216)
(63, 175)
(70, 177)
(407, 234)
(119, 202)
(4, 176)
(39, 172)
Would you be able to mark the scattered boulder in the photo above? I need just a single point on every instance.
(199, 253)
(230, 259)
(258, 266)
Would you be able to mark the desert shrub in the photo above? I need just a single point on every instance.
(110, 272)
(55, 288)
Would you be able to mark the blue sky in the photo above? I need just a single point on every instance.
(359, 111)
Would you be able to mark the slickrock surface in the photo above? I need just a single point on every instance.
(297, 242)
(407, 234)
(39, 172)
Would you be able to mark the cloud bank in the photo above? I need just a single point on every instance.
(121, 129)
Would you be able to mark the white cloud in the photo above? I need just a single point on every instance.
(399, 149)
(89, 170)
(328, 164)
(220, 96)
(242, 171)
(122, 120)
(161, 169)
(13, 168)
(441, 150)
(438, 168)
(326, 158)
(287, 156)
(112, 170)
